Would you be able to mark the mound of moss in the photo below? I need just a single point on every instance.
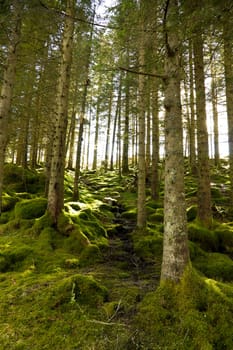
(18, 179)
(31, 208)
(204, 237)
(215, 265)
(194, 314)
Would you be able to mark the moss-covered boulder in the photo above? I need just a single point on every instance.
(31, 208)
(79, 289)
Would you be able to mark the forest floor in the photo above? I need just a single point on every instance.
(93, 282)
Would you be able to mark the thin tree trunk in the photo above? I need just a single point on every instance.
(56, 181)
(214, 99)
(8, 85)
(108, 130)
(94, 163)
(125, 151)
(175, 244)
(192, 126)
(204, 194)
(155, 144)
(228, 67)
(115, 124)
(141, 198)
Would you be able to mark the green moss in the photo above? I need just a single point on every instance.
(76, 242)
(8, 202)
(13, 256)
(157, 216)
(224, 233)
(30, 209)
(215, 265)
(148, 246)
(186, 315)
(90, 255)
(207, 239)
(130, 214)
(192, 212)
(80, 289)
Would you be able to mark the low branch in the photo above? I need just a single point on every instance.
(154, 75)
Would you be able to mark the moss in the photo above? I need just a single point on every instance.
(207, 239)
(64, 224)
(90, 255)
(224, 233)
(76, 242)
(148, 246)
(130, 214)
(186, 315)
(80, 289)
(215, 265)
(8, 202)
(13, 256)
(30, 209)
(192, 212)
(157, 216)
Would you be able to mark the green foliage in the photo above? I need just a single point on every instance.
(31, 208)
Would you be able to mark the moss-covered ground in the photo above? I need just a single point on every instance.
(93, 282)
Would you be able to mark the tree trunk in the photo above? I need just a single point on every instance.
(228, 67)
(175, 246)
(155, 144)
(204, 194)
(214, 99)
(56, 181)
(192, 125)
(125, 151)
(141, 198)
(8, 85)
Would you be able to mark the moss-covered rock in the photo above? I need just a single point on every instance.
(30, 209)
(78, 289)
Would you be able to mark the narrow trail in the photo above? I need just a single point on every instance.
(127, 277)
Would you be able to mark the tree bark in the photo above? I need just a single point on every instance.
(228, 67)
(8, 85)
(56, 181)
(204, 194)
(175, 245)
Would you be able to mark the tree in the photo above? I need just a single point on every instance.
(204, 194)
(8, 84)
(56, 181)
(175, 245)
